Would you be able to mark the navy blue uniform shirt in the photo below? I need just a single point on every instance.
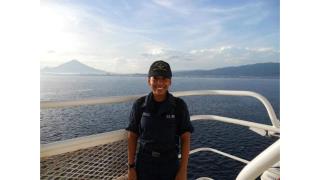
(159, 124)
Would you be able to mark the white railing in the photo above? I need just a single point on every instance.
(253, 169)
(120, 99)
(261, 163)
(75, 144)
(219, 152)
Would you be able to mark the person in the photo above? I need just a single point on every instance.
(158, 123)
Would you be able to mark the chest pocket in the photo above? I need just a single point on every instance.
(159, 128)
(146, 120)
(169, 121)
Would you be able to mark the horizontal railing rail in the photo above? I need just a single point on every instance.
(261, 163)
(87, 102)
(65, 146)
(120, 99)
(70, 145)
(219, 152)
(74, 144)
(236, 121)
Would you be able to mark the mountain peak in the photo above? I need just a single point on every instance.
(73, 67)
(74, 61)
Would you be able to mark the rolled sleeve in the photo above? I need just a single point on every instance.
(185, 124)
(134, 119)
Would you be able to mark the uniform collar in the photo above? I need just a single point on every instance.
(149, 101)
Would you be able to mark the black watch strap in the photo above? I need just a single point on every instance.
(133, 165)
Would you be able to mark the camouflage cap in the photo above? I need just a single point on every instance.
(160, 68)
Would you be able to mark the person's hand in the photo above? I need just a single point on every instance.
(181, 175)
(132, 174)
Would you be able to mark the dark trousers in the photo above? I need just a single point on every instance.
(156, 168)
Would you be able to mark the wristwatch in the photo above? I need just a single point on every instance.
(133, 165)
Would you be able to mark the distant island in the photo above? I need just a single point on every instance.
(251, 70)
(74, 67)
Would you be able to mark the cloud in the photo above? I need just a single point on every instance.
(126, 36)
(168, 55)
(229, 55)
(174, 6)
(51, 51)
(164, 3)
(214, 57)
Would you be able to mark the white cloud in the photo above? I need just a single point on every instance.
(180, 60)
(215, 57)
(174, 5)
(165, 3)
(228, 56)
(128, 37)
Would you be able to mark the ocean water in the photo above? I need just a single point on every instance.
(61, 124)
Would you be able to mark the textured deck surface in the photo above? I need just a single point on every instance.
(100, 162)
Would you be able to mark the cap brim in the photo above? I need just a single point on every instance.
(160, 73)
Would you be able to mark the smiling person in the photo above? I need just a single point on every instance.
(159, 124)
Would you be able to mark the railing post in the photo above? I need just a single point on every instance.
(261, 163)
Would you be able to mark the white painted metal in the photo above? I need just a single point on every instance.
(261, 163)
(83, 102)
(272, 173)
(254, 168)
(221, 153)
(120, 99)
(236, 121)
(109, 137)
(204, 178)
(259, 131)
(74, 144)
(262, 99)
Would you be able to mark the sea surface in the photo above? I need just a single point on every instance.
(62, 124)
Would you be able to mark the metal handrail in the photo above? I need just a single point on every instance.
(262, 99)
(237, 122)
(74, 144)
(55, 148)
(261, 163)
(221, 153)
(120, 99)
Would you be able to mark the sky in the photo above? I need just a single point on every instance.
(126, 36)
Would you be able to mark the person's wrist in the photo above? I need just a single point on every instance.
(131, 165)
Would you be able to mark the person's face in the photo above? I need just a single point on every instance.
(159, 85)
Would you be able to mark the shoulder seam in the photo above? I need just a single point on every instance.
(179, 101)
(140, 100)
